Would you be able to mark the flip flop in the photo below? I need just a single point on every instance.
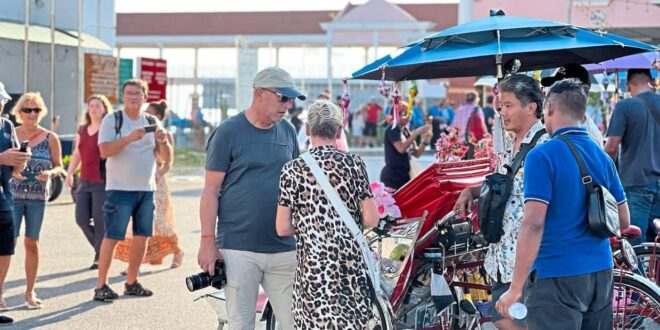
(36, 303)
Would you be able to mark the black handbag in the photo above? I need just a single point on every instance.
(495, 192)
(603, 213)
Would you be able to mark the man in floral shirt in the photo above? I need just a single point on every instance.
(521, 109)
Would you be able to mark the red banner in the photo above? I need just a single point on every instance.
(154, 72)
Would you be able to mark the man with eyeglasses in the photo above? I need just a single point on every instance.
(11, 160)
(131, 144)
(244, 158)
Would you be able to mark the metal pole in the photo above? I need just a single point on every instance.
(570, 11)
(26, 46)
(329, 63)
(79, 90)
(376, 43)
(52, 63)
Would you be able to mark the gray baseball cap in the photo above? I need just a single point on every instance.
(3, 93)
(277, 79)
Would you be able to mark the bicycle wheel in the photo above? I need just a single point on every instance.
(649, 262)
(636, 302)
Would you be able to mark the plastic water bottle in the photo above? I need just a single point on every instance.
(518, 311)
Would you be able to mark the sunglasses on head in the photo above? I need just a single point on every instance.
(30, 110)
(283, 98)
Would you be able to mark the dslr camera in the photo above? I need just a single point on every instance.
(203, 280)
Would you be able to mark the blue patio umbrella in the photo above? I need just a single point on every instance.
(487, 46)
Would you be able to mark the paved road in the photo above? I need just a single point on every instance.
(66, 285)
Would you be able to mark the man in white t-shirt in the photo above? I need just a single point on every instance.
(130, 141)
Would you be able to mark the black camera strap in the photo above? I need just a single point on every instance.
(525, 148)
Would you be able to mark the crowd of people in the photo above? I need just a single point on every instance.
(300, 243)
(117, 171)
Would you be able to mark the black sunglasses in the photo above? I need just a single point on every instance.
(30, 110)
(283, 98)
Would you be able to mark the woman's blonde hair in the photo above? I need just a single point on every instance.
(34, 96)
(87, 120)
(324, 119)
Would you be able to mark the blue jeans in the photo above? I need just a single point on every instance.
(120, 206)
(33, 211)
(644, 204)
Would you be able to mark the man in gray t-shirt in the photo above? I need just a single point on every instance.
(244, 158)
(131, 156)
(637, 130)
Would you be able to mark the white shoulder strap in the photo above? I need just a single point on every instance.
(340, 207)
(331, 193)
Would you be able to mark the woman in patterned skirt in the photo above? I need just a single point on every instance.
(32, 186)
(331, 289)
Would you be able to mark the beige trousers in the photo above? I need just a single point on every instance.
(245, 272)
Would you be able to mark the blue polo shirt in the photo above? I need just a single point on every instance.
(568, 248)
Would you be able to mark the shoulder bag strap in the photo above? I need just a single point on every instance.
(524, 150)
(586, 178)
(340, 207)
(653, 110)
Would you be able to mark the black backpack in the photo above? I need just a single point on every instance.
(495, 192)
(119, 120)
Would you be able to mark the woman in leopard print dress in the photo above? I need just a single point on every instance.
(331, 286)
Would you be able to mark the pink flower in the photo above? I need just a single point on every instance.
(385, 203)
(377, 188)
(382, 212)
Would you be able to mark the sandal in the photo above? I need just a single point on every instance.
(177, 259)
(136, 289)
(32, 302)
(105, 294)
(3, 305)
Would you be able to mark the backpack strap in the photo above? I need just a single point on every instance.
(119, 120)
(653, 110)
(524, 150)
(586, 178)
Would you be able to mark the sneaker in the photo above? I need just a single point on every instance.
(4, 320)
(105, 294)
(136, 289)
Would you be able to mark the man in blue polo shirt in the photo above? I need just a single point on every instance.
(565, 270)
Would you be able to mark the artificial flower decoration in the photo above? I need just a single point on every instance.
(385, 203)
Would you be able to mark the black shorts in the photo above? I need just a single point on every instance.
(370, 129)
(7, 237)
(564, 302)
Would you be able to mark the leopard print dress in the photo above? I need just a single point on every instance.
(331, 288)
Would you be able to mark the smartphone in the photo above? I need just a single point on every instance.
(24, 146)
(150, 128)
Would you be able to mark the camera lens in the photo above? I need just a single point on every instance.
(199, 281)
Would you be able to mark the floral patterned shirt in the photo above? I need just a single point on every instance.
(502, 256)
